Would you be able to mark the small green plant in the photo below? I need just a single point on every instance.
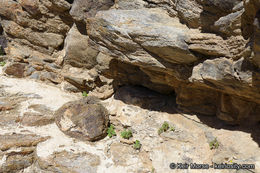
(84, 94)
(111, 131)
(153, 170)
(214, 144)
(164, 128)
(126, 134)
(172, 128)
(2, 63)
(137, 145)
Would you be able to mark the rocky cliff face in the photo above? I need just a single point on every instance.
(148, 62)
(207, 52)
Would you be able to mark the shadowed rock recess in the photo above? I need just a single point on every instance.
(207, 52)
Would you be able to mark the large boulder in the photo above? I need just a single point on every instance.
(84, 119)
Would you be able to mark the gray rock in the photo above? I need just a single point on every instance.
(139, 33)
(29, 71)
(189, 12)
(35, 75)
(208, 45)
(80, 83)
(77, 51)
(65, 161)
(66, 86)
(230, 24)
(82, 9)
(213, 10)
(130, 4)
(37, 115)
(50, 76)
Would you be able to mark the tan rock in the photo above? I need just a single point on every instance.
(209, 45)
(19, 140)
(8, 8)
(41, 39)
(32, 6)
(65, 161)
(15, 69)
(39, 115)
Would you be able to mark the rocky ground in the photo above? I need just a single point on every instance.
(30, 140)
(60, 57)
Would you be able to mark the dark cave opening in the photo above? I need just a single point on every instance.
(146, 98)
(70, 1)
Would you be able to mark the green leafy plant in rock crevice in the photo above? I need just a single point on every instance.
(84, 94)
(2, 63)
(137, 145)
(214, 144)
(165, 126)
(126, 134)
(111, 131)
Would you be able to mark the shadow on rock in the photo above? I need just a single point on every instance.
(248, 127)
(147, 99)
(150, 100)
